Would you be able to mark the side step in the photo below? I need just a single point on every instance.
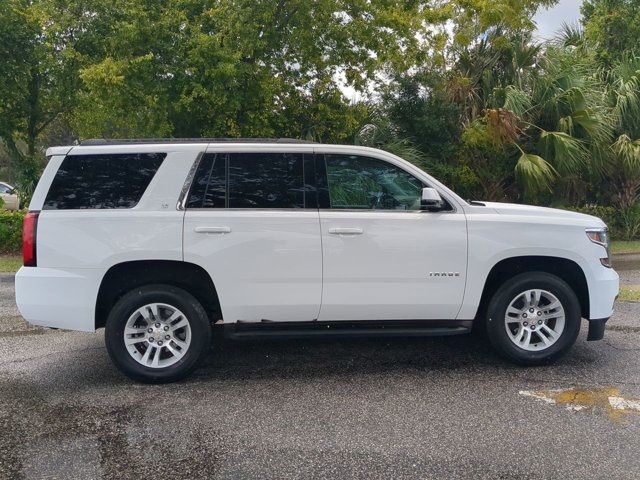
(315, 329)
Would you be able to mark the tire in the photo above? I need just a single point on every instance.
(508, 330)
(157, 314)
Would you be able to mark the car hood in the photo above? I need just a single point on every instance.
(550, 213)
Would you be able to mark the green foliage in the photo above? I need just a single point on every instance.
(623, 223)
(11, 230)
(612, 27)
(462, 89)
(534, 173)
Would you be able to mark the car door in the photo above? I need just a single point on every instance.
(247, 223)
(383, 257)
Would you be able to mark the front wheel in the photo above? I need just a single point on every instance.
(157, 334)
(534, 318)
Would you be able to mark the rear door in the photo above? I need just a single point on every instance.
(252, 221)
(384, 258)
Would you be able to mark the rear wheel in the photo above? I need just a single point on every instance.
(534, 318)
(157, 334)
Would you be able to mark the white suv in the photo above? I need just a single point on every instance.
(158, 241)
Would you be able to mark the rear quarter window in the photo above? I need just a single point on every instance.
(102, 181)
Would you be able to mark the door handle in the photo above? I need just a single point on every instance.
(215, 230)
(346, 231)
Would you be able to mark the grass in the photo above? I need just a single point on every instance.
(625, 246)
(629, 293)
(10, 263)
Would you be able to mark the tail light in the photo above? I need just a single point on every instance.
(29, 233)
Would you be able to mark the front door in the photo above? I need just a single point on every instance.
(247, 224)
(384, 258)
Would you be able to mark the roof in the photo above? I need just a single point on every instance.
(137, 141)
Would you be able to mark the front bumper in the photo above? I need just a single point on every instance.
(603, 290)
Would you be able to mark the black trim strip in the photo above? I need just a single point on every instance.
(315, 329)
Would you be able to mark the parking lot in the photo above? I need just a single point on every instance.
(399, 408)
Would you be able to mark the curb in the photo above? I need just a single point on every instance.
(626, 255)
(7, 277)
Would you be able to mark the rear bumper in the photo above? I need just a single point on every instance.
(56, 298)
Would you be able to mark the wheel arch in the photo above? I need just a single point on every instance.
(566, 269)
(123, 277)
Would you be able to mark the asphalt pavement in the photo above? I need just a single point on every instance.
(399, 408)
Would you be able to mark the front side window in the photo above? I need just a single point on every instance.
(249, 180)
(364, 183)
(105, 181)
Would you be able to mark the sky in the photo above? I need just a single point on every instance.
(550, 20)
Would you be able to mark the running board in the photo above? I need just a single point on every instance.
(315, 329)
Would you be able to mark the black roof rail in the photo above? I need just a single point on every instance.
(136, 141)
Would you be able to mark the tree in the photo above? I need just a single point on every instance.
(39, 68)
(612, 27)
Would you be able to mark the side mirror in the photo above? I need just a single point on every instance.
(431, 200)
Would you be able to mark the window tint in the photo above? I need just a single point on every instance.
(4, 188)
(102, 181)
(209, 189)
(249, 180)
(356, 182)
(266, 180)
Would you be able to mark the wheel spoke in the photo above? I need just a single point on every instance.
(527, 338)
(527, 298)
(134, 340)
(552, 306)
(145, 358)
(182, 323)
(155, 313)
(551, 332)
(134, 330)
(156, 357)
(535, 297)
(514, 311)
(544, 339)
(144, 313)
(179, 343)
(174, 352)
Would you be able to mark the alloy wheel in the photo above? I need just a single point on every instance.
(535, 320)
(157, 335)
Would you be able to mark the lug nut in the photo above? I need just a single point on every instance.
(531, 310)
(539, 322)
(533, 327)
(150, 330)
(526, 323)
(158, 325)
(167, 337)
(539, 313)
(166, 328)
(150, 339)
(524, 315)
(160, 342)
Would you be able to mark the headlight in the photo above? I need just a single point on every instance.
(601, 237)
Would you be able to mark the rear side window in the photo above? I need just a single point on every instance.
(249, 180)
(209, 187)
(102, 181)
